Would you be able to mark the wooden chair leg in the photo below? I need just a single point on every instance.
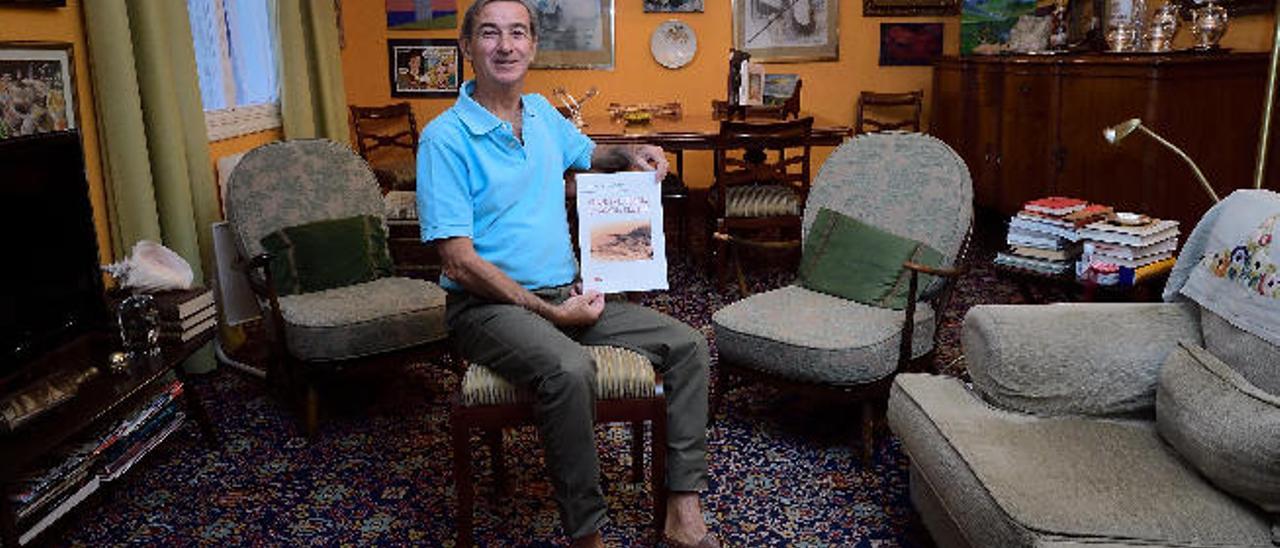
(637, 452)
(311, 411)
(463, 490)
(658, 467)
(868, 433)
(500, 484)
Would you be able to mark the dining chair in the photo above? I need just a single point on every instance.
(760, 186)
(892, 111)
(627, 390)
(387, 138)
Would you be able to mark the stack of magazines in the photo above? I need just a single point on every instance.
(1044, 237)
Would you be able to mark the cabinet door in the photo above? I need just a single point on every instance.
(1028, 135)
(1093, 98)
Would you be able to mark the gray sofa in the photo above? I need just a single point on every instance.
(1098, 424)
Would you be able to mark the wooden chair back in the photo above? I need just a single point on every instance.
(762, 153)
(892, 111)
(387, 138)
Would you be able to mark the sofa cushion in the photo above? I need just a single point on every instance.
(1258, 361)
(1226, 427)
(813, 337)
(327, 254)
(363, 319)
(1010, 479)
(854, 260)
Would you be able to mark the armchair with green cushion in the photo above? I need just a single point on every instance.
(1154, 424)
(885, 224)
(308, 217)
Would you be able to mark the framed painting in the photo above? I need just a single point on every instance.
(872, 8)
(673, 6)
(422, 14)
(782, 31)
(574, 34)
(37, 89)
(35, 3)
(909, 44)
(987, 22)
(424, 67)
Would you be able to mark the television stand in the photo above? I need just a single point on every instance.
(107, 396)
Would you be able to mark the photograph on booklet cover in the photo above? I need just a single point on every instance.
(620, 234)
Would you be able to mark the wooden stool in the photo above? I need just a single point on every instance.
(627, 390)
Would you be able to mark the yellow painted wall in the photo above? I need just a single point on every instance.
(65, 25)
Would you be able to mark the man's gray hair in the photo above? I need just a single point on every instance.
(469, 18)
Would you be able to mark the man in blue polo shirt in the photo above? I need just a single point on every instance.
(491, 195)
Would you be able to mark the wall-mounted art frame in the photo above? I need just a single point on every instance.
(802, 30)
(872, 8)
(910, 44)
(422, 14)
(37, 88)
(673, 6)
(424, 67)
(574, 34)
(34, 3)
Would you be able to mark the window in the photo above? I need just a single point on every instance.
(235, 45)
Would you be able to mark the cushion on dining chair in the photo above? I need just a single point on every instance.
(620, 374)
(761, 201)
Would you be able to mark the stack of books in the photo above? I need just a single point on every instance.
(1045, 236)
(185, 314)
(1131, 251)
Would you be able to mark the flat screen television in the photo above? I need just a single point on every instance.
(53, 290)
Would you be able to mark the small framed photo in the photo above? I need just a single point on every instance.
(910, 44)
(787, 32)
(37, 89)
(424, 67)
(673, 6)
(574, 34)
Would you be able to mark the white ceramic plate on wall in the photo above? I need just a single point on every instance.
(673, 44)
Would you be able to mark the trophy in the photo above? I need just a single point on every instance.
(1208, 24)
(574, 105)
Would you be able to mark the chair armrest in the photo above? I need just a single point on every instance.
(926, 269)
(1062, 359)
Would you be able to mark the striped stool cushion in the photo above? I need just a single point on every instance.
(620, 374)
(761, 201)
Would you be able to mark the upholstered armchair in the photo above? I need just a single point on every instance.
(308, 219)
(1149, 424)
(911, 187)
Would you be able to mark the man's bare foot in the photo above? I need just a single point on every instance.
(684, 518)
(590, 541)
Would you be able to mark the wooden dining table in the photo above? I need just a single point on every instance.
(692, 131)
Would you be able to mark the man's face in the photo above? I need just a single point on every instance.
(502, 44)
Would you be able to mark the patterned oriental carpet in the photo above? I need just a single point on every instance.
(784, 471)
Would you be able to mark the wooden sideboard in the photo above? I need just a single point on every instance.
(1031, 126)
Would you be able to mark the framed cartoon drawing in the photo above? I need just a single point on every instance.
(576, 34)
(424, 67)
(787, 31)
(37, 92)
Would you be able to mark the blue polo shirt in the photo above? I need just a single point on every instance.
(475, 179)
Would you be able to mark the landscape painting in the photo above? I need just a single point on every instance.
(989, 21)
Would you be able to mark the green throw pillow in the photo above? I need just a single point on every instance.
(847, 258)
(327, 254)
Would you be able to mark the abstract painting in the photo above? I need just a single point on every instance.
(910, 44)
(787, 30)
(574, 33)
(422, 14)
(672, 6)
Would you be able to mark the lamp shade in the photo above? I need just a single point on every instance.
(1118, 132)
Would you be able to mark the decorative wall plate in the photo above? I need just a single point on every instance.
(673, 44)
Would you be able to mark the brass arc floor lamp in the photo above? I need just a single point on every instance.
(1264, 137)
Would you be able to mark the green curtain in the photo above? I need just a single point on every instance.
(312, 95)
(154, 144)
